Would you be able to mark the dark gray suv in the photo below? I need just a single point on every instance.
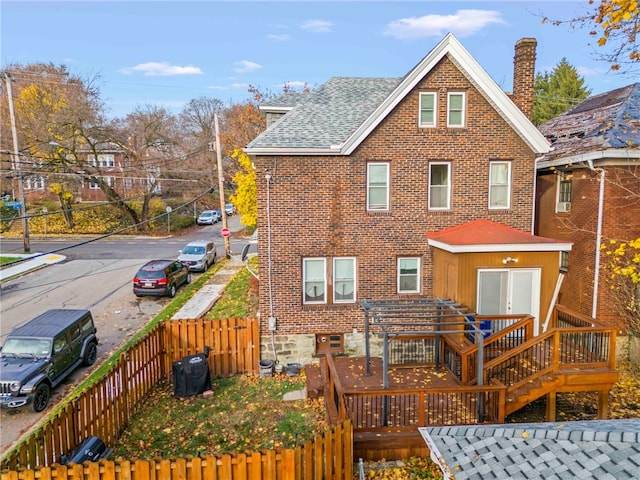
(40, 354)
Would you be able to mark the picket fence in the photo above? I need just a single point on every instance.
(104, 409)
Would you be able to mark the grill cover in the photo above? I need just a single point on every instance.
(191, 376)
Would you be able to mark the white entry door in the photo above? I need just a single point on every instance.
(509, 291)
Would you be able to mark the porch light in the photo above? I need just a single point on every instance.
(509, 260)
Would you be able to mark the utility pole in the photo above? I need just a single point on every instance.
(18, 168)
(227, 245)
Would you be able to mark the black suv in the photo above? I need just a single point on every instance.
(161, 277)
(40, 354)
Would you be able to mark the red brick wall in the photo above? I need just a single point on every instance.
(620, 221)
(318, 204)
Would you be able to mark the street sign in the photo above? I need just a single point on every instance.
(225, 232)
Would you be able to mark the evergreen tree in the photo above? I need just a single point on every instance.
(557, 91)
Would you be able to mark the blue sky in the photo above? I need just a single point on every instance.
(167, 53)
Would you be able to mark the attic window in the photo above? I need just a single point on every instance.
(427, 115)
(455, 109)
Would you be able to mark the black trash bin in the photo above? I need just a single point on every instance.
(91, 450)
(191, 376)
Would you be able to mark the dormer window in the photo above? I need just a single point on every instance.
(428, 104)
(455, 109)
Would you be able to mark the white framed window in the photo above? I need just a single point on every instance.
(314, 280)
(105, 160)
(455, 109)
(499, 185)
(108, 180)
(428, 109)
(378, 186)
(439, 186)
(409, 275)
(563, 194)
(34, 183)
(344, 280)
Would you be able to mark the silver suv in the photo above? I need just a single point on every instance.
(40, 354)
(198, 255)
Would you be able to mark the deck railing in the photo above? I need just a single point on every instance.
(554, 351)
(508, 332)
(381, 409)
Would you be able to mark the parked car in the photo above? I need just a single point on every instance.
(230, 209)
(160, 278)
(198, 255)
(40, 354)
(219, 214)
(207, 217)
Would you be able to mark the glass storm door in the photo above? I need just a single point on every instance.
(509, 292)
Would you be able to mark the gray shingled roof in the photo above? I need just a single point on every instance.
(596, 449)
(608, 120)
(329, 115)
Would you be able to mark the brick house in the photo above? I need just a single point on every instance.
(355, 177)
(588, 191)
(109, 162)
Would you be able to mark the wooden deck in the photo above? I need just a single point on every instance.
(575, 354)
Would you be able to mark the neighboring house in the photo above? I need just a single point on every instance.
(354, 178)
(588, 191)
(109, 162)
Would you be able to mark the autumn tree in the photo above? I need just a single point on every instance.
(197, 123)
(246, 197)
(557, 91)
(624, 281)
(154, 157)
(51, 107)
(615, 25)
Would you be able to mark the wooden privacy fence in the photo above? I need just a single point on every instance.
(104, 408)
(328, 456)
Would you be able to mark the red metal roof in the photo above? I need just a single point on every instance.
(486, 235)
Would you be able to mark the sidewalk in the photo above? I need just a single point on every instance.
(36, 260)
(208, 295)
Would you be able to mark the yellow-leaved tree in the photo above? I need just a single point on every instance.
(66, 202)
(624, 281)
(246, 197)
(615, 24)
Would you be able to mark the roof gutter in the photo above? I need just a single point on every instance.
(500, 247)
(610, 153)
(333, 150)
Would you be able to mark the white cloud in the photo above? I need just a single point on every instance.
(245, 66)
(282, 37)
(463, 23)
(161, 69)
(317, 26)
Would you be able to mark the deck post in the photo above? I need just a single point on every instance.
(438, 336)
(385, 360)
(367, 356)
(550, 410)
(479, 374)
(603, 404)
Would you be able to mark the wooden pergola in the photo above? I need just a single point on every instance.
(426, 316)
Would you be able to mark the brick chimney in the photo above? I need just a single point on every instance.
(524, 69)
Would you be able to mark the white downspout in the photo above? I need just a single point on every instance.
(596, 268)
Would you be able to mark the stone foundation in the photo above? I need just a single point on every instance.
(301, 348)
